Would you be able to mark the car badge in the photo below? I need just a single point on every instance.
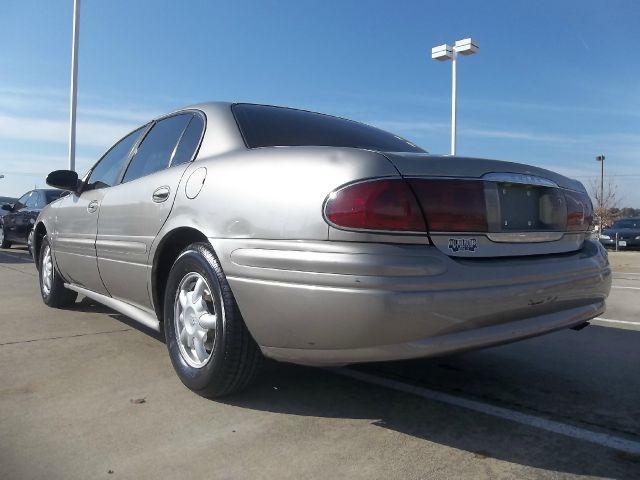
(464, 244)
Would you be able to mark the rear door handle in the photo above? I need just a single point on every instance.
(160, 194)
(93, 206)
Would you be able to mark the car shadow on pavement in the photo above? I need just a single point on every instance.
(88, 305)
(314, 392)
(15, 256)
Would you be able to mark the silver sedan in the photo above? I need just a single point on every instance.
(244, 231)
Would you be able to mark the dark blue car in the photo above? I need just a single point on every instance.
(625, 231)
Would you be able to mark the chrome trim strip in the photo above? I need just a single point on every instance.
(525, 237)
(519, 178)
(120, 246)
(145, 318)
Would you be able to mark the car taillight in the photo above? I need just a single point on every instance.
(387, 205)
(579, 211)
(452, 205)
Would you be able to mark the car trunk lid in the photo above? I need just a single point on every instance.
(489, 208)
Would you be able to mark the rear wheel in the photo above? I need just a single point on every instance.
(4, 243)
(210, 347)
(52, 288)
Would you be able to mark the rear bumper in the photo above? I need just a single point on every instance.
(332, 303)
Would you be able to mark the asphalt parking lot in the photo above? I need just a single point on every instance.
(86, 393)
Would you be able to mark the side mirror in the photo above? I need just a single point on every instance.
(7, 206)
(63, 179)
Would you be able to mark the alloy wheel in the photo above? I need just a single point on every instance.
(196, 316)
(47, 271)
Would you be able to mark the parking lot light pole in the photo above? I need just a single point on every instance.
(600, 158)
(74, 85)
(445, 52)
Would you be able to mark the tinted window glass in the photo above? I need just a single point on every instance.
(22, 201)
(189, 142)
(51, 195)
(108, 169)
(266, 126)
(157, 147)
(32, 201)
(630, 223)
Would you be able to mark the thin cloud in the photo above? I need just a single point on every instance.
(510, 104)
(410, 126)
(519, 135)
(90, 133)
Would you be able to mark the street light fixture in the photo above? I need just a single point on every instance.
(600, 158)
(445, 52)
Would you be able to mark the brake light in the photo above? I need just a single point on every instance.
(387, 204)
(579, 211)
(452, 205)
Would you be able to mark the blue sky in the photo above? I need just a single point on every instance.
(555, 83)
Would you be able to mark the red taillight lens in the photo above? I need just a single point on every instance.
(452, 205)
(375, 205)
(579, 211)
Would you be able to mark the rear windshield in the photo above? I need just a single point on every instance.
(267, 126)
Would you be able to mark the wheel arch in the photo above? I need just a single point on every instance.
(39, 233)
(168, 249)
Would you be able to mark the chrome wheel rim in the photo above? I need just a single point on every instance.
(195, 319)
(47, 271)
(1, 235)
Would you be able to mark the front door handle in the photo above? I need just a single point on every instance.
(160, 194)
(93, 206)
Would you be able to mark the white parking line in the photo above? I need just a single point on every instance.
(625, 288)
(611, 320)
(603, 439)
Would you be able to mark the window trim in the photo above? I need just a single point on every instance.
(145, 128)
(203, 117)
(152, 124)
(85, 182)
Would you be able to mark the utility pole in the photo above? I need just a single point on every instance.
(445, 52)
(74, 85)
(600, 158)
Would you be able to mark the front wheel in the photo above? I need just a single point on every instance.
(52, 289)
(4, 243)
(210, 346)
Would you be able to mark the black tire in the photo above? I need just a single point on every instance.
(235, 357)
(4, 243)
(58, 296)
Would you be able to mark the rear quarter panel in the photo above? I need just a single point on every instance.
(270, 193)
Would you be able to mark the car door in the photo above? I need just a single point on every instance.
(74, 240)
(14, 220)
(35, 203)
(132, 213)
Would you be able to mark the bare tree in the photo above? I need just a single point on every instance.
(607, 207)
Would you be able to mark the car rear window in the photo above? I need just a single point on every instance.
(267, 126)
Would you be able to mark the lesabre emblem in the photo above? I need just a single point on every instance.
(464, 244)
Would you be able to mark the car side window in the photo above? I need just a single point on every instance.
(109, 168)
(189, 142)
(32, 201)
(22, 201)
(157, 147)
